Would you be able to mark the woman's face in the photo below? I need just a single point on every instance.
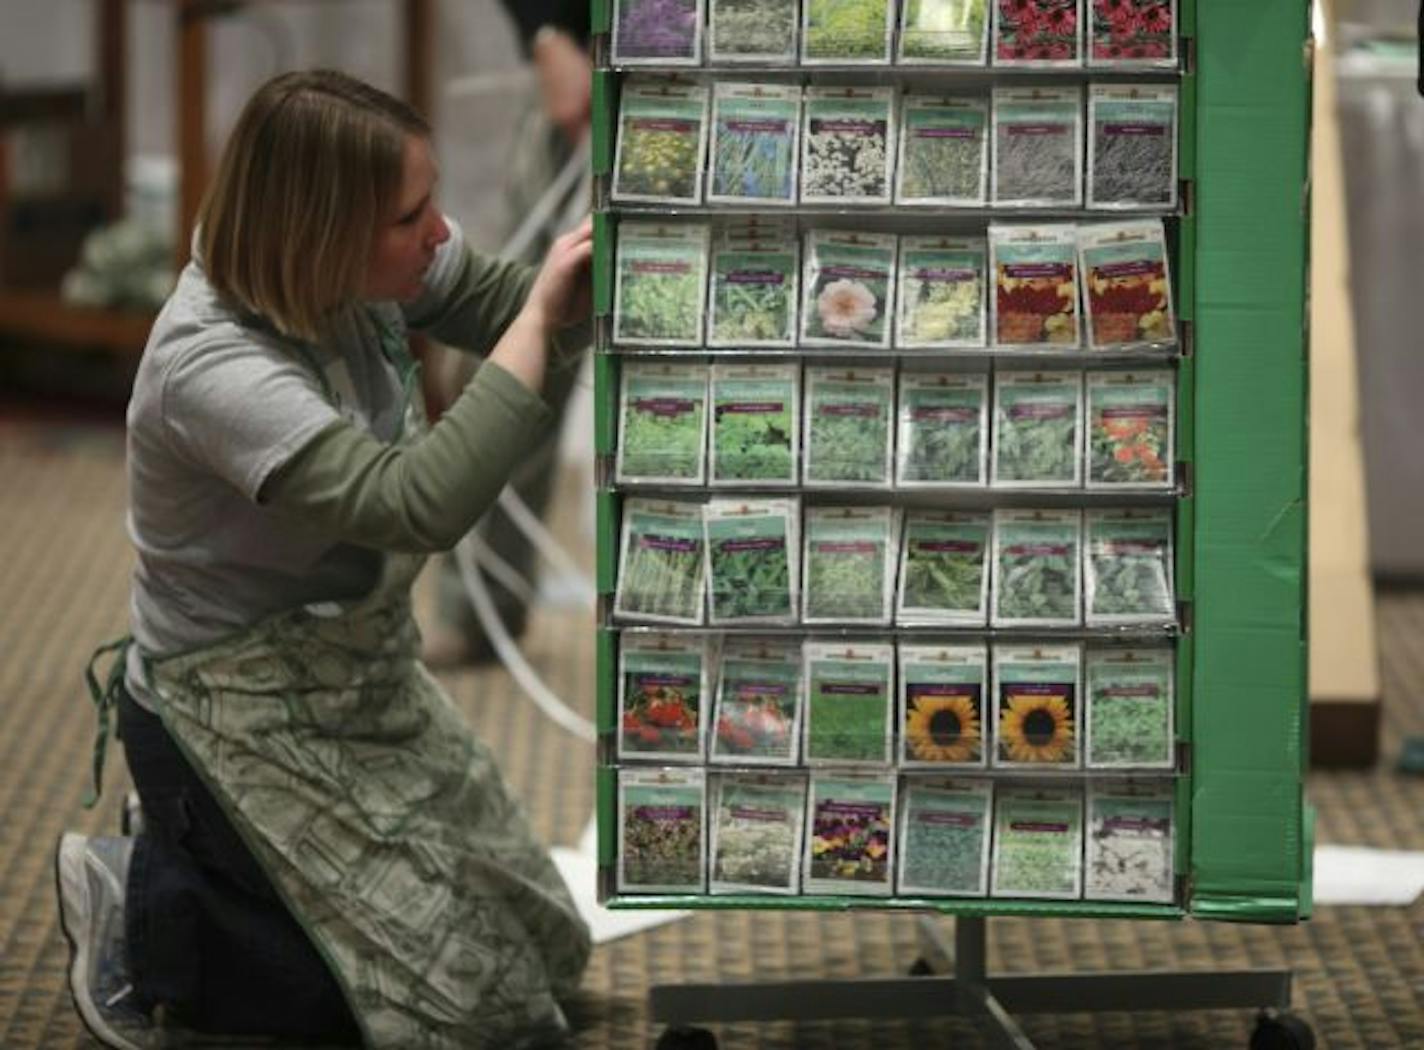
(406, 238)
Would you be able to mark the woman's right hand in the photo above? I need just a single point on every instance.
(562, 293)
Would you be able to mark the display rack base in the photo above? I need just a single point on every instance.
(990, 1001)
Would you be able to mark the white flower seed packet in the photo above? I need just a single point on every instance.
(1038, 147)
(756, 425)
(1038, 843)
(1038, 430)
(849, 289)
(752, 32)
(1037, 718)
(1130, 701)
(660, 284)
(850, 704)
(848, 145)
(848, 565)
(1130, 842)
(756, 144)
(661, 562)
(757, 717)
(943, 707)
(758, 822)
(1038, 568)
(662, 435)
(1129, 562)
(663, 696)
(945, 828)
(662, 831)
(942, 293)
(850, 829)
(753, 560)
(662, 142)
(849, 438)
(943, 151)
(657, 32)
(944, 569)
(943, 440)
(846, 32)
(1132, 146)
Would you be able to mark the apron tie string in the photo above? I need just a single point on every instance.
(105, 699)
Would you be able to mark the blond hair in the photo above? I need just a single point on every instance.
(311, 168)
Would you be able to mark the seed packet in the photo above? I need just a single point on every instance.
(848, 145)
(1129, 709)
(944, 151)
(1129, 568)
(1036, 706)
(1038, 843)
(1038, 430)
(1127, 291)
(661, 564)
(752, 31)
(657, 32)
(1132, 146)
(1034, 302)
(849, 289)
(757, 721)
(756, 424)
(661, 284)
(752, 554)
(663, 414)
(943, 693)
(848, 433)
(662, 691)
(662, 832)
(1038, 147)
(846, 32)
(944, 572)
(848, 703)
(944, 837)
(1133, 33)
(755, 143)
(754, 288)
(850, 834)
(1129, 842)
(1038, 568)
(756, 833)
(944, 430)
(944, 32)
(941, 296)
(662, 139)
(1131, 429)
(1041, 33)
(849, 565)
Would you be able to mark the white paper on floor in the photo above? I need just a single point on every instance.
(579, 867)
(1356, 875)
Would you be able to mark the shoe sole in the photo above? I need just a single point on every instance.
(70, 858)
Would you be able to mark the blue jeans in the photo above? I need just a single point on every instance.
(208, 936)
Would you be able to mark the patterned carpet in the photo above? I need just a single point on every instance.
(63, 589)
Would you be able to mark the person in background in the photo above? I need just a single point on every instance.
(328, 855)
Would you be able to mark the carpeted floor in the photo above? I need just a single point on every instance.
(64, 561)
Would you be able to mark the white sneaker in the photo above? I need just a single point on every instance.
(91, 874)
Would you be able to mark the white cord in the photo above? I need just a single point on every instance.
(544, 542)
(505, 574)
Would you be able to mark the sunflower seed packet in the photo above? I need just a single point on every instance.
(757, 824)
(1129, 568)
(662, 691)
(1132, 146)
(944, 432)
(943, 693)
(1133, 34)
(756, 424)
(662, 141)
(1037, 579)
(754, 287)
(660, 569)
(850, 835)
(848, 703)
(846, 32)
(848, 145)
(1038, 430)
(1040, 33)
(941, 296)
(944, 151)
(1127, 290)
(944, 837)
(752, 31)
(1129, 709)
(661, 284)
(849, 436)
(1130, 844)
(662, 830)
(849, 286)
(1038, 147)
(755, 143)
(1036, 706)
(849, 565)
(944, 32)
(752, 560)
(757, 720)
(657, 32)
(1038, 843)
(663, 423)
(1131, 429)
(944, 572)
(1034, 301)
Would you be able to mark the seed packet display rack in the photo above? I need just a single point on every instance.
(1236, 246)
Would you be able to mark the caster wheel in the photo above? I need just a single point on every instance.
(687, 1039)
(920, 968)
(1282, 1031)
